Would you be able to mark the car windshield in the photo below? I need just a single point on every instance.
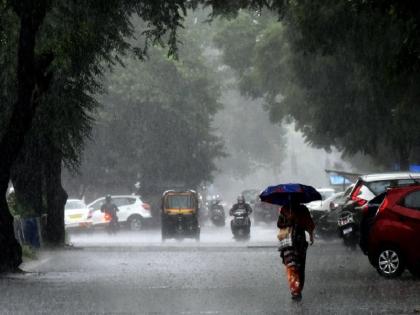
(179, 201)
(74, 204)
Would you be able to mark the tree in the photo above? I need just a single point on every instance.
(32, 78)
(155, 126)
(34, 70)
(376, 46)
(329, 82)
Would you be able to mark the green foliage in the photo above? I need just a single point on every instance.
(368, 54)
(155, 125)
(8, 40)
(335, 69)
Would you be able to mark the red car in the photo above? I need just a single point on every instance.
(394, 238)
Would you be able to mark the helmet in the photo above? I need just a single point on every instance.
(108, 198)
(241, 199)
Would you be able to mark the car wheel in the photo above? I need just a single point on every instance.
(389, 262)
(135, 223)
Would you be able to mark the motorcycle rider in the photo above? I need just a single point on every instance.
(241, 204)
(111, 209)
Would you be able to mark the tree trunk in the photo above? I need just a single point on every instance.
(27, 176)
(56, 199)
(29, 72)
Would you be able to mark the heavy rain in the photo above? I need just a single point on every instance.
(209, 157)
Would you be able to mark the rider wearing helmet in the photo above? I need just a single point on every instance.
(111, 209)
(241, 204)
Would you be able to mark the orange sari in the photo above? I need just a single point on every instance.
(294, 258)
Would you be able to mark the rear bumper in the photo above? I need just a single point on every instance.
(78, 225)
(145, 220)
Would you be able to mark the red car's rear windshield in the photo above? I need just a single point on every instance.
(380, 186)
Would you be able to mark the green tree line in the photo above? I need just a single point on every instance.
(344, 71)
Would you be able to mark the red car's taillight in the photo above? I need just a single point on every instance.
(147, 207)
(361, 201)
(355, 194)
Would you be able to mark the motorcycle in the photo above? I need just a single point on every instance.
(217, 213)
(348, 228)
(241, 225)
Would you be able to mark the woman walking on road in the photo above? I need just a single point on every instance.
(294, 219)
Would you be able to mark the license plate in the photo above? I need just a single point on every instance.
(75, 216)
(348, 230)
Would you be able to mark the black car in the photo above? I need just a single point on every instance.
(265, 212)
(326, 218)
(368, 213)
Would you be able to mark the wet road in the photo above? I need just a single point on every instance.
(133, 273)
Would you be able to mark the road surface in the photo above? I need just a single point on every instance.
(133, 273)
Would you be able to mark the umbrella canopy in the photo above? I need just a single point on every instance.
(282, 194)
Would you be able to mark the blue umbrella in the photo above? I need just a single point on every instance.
(282, 194)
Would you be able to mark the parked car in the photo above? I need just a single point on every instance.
(76, 215)
(133, 212)
(395, 232)
(329, 207)
(367, 188)
(320, 208)
(325, 193)
(326, 216)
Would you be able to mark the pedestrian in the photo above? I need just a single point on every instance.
(294, 220)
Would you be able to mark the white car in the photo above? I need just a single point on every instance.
(76, 214)
(133, 212)
(369, 186)
(325, 194)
